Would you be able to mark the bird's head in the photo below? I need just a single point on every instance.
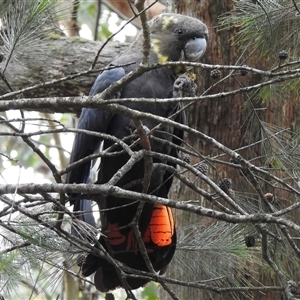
(177, 37)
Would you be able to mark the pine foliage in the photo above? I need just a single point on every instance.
(24, 24)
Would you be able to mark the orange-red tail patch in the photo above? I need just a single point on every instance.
(159, 231)
(161, 225)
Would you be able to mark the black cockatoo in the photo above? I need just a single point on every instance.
(173, 37)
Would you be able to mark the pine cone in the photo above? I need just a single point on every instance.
(202, 167)
(55, 207)
(186, 158)
(283, 55)
(294, 288)
(215, 74)
(225, 185)
(244, 72)
(250, 240)
(234, 161)
(80, 260)
(109, 296)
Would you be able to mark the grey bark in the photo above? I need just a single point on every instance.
(58, 58)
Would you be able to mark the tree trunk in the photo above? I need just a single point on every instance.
(223, 119)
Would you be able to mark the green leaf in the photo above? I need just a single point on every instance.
(150, 292)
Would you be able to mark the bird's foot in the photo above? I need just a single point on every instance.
(184, 86)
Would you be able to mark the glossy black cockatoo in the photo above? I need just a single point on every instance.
(173, 37)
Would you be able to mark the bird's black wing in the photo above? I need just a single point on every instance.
(173, 37)
(91, 119)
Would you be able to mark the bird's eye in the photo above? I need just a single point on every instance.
(179, 31)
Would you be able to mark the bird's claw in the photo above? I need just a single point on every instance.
(184, 86)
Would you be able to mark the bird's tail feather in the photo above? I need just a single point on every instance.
(84, 226)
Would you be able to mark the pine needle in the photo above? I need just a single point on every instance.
(24, 25)
(264, 23)
(216, 253)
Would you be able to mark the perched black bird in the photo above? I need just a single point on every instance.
(173, 37)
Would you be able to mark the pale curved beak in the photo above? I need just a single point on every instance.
(194, 49)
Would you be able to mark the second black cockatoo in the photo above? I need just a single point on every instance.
(173, 37)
